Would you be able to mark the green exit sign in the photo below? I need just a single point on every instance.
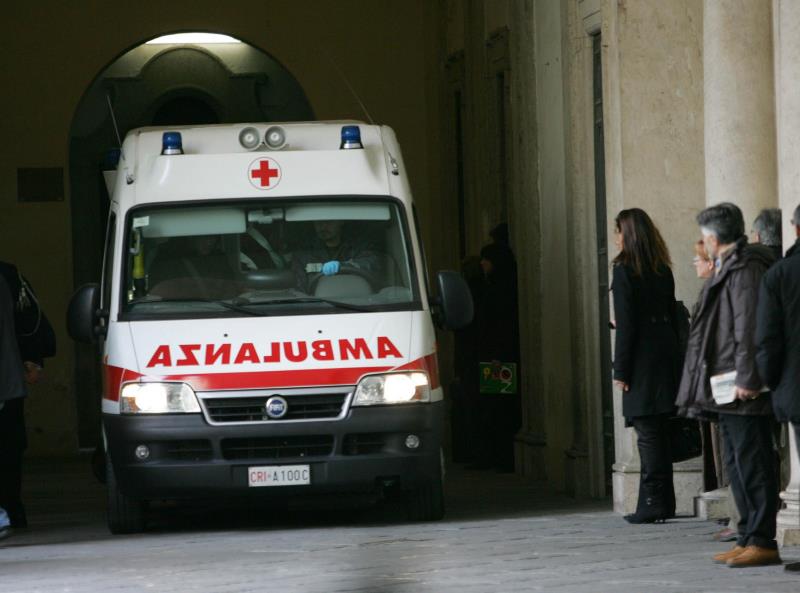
(498, 377)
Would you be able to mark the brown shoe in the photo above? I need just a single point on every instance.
(755, 556)
(732, 553)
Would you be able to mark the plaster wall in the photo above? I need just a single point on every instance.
(53, 50)
(654, 137)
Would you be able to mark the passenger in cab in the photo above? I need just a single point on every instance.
(193, 267)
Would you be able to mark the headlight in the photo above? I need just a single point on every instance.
(158, 398)
(392, 388)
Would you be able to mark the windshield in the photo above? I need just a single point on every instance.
(268, 258)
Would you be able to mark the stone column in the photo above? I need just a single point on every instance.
(739, 102)
(524, 222)
(787, 94)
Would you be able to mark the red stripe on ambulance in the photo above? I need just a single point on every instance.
(116, 376)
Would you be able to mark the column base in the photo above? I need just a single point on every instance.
(713, 504)
(687, 477)
(625, 486)
(789, 519)
(529, 454)
(577, 473)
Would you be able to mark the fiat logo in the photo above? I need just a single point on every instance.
(276, 407)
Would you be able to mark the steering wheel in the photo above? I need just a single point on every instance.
(314, 279)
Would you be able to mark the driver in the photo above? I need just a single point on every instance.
(330, 251)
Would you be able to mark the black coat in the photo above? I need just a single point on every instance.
(723, 335)
(646, 353)
(35, 337)
(12, 378)
(778, 336)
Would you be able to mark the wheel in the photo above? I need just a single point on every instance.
(125, 515)
(426, 502)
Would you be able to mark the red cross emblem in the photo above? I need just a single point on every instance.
(264, 173)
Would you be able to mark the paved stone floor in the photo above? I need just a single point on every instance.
(501, 534)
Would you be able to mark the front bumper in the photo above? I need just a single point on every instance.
(189, 458)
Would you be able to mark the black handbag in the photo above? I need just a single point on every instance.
(684, 439)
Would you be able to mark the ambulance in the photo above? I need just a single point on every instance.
(265, 322)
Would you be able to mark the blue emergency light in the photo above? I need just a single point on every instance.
(171, 143)
(351, 138)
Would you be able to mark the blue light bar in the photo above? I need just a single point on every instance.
(351, 138)
(171, 143)
(111, 159)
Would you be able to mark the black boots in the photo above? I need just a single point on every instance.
(655, 506)
(649, 512)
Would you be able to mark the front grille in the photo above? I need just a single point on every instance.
(196, 450)
(364, 443)
(278, 447)
(253, 409)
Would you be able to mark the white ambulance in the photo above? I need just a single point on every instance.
(264, 320)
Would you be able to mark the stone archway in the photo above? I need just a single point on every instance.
(153, 84)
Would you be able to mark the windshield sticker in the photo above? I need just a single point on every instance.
(141, 221)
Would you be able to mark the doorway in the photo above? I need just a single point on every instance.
(602, 259)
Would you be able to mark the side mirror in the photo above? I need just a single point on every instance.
(83, 315)
(455, 301)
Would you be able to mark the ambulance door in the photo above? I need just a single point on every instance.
(107, 288)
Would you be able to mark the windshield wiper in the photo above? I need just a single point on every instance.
(230, 306)
(337, 304)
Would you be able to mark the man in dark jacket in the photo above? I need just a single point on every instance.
(12, 427)
(779, 336)
(723, 340)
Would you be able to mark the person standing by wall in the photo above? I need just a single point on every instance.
(12, 426)
(778, 337)
(722, 349)
(646, 357)
(498, 321)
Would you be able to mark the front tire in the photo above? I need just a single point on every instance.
(426, 502)
(125, 515)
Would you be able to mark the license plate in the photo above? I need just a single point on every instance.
(279, 475)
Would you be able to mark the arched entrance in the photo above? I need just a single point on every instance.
(175, 80)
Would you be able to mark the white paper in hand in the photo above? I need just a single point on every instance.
(723, 388)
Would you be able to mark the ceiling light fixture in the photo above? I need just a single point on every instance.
(197, 38)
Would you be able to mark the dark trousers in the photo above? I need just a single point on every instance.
(656, 489)
(12, 446)
(750, 461)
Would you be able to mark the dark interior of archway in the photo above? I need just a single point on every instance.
(184, 111)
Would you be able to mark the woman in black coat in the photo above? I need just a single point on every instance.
(646, 357)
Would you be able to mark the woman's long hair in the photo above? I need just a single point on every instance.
(643, 248)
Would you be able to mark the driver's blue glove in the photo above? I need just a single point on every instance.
(330, 268)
